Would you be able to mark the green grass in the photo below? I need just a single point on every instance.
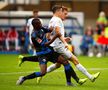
(10, 72)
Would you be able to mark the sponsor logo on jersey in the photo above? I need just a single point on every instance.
(39, 40)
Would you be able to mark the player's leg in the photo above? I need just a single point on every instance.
(81, 68)
(50, 68)
(42, 72)
(53, 67)
(68, 75)
(57, 65)
(69, 71)
(72, 73)
(67, 54)
(33, 75)
(22, 59)
(51, 57)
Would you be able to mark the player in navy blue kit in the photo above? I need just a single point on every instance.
(44, 55)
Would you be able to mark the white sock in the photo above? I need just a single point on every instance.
(83, 70)
(51, 68)
(34, 53)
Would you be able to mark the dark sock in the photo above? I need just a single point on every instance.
(67, 74)
(33, 75)
(30, 76)
(31, 58)
(38, 74)
(72, 72)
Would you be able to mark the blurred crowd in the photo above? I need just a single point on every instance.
(13, 39)
(95, 41)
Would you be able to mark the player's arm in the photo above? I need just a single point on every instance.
(68, 39)
(47, 30)
(48, 36)
(57, 30)
(28, 26)
(51, 40)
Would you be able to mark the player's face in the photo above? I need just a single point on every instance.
(64, 14)
(35, 14)
(60, 13)
(37, 25)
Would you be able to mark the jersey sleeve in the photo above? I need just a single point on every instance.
(54, 23)
(46, 30)
(41, 21)
(28, 22)
(57, 23)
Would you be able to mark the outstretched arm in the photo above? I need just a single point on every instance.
(57, 30)
(51, 40)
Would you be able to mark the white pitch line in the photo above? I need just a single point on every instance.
(14, 73)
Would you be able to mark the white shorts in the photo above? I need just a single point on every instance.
(67, 54)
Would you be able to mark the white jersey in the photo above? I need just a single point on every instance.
(29, 24)
(56, 21)
(58, 45)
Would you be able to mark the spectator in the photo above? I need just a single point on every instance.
(106, 31)
(87, 41)
(102, 42)
(2, 39)
(12, 36)
(101, 22)
(24, 41)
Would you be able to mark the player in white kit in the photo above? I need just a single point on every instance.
(60, 45)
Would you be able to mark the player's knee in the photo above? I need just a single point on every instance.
(65, 62)
(43, 73)
(74, 59)
(58, 65)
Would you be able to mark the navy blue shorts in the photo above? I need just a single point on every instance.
(52, 57)
(42, 59)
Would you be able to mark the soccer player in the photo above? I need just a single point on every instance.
(30, 30)
(44, 55)
(60, 45)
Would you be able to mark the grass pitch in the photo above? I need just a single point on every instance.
(10, 72)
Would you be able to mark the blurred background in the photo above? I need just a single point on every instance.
(86, 24)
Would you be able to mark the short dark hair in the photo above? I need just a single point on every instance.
(56, 7)
(35, 11)
(64, 8)
(36, 23)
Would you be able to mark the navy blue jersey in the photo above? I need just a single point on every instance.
(39, 39)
